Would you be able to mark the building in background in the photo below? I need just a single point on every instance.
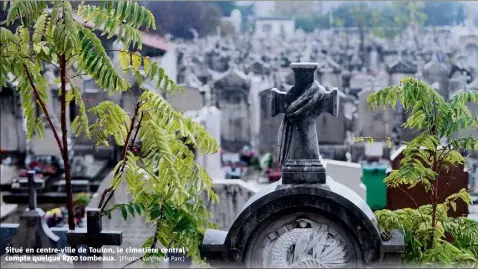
(266, 27)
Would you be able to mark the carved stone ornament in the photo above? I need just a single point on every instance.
(304, 243)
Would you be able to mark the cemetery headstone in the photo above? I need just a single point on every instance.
(305, 219)
(372, 124)
(210, 118)
(231, 95)
(135, 231)
(94, 238)
(298, 142)
(268, 139)
(435, 71)
(33, 231)
(457, 82)
(331, 129)
(191, 100)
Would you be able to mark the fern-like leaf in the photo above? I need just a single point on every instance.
(26, 11)
(96, 63)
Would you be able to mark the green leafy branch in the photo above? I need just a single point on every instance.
(164, 180)
(424, 159)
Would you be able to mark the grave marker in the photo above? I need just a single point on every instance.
(302, 220)
(33, 231)
(93, 236)
(299, 153)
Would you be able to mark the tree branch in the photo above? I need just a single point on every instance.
(413, 200)
(123, 157)
(44, 109)
(65, 153)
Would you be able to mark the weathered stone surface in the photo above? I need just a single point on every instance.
(299, 152)
(302, 211)
(233, 195)
(231, 96)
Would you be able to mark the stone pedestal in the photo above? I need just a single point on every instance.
(303, 172)
(33, 232)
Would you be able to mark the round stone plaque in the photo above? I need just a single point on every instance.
(299, 241)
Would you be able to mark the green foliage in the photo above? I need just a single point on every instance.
(165, 182)
(25, 11)
(82, 199)
(122, 18)
(425, 157)
(396, 18)
(179, 17)
(416, 225)
(443, 13)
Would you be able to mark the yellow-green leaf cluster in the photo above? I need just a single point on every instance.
(166, 184)
(95, 62)
(417, 227)
(164, 176)
(112, 121)
(80, 123)
(25, 11)
(122, 18)
(145, 69)
(424, 158)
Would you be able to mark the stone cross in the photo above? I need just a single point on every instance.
(299, 148)
(33, 231)
(94, 236)
(32, 185)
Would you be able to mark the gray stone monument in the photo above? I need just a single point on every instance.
(33, 231)
(93, 236)
(306, 219)
(299, 146)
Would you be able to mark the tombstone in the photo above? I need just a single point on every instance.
(360, 81)
(268, 139)
(328, 72)
(372, 124)
(457, 82)
(231, 96)
(210, 118)
(398, 70)
(6, 209)
(236, 19)
(471, 51)
(12, 138)
(348, 174)
(233, 194)
(93, 237)
(305, 219)
(135, 231)
(193, 99)
(435, 71)
(373, 59)
(33, 231)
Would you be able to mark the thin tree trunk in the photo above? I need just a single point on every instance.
(65, 153)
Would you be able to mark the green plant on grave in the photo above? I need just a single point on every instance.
(431, 236)
(82, 199)
(165, 182)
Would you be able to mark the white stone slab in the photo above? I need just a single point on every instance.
(348, 174)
